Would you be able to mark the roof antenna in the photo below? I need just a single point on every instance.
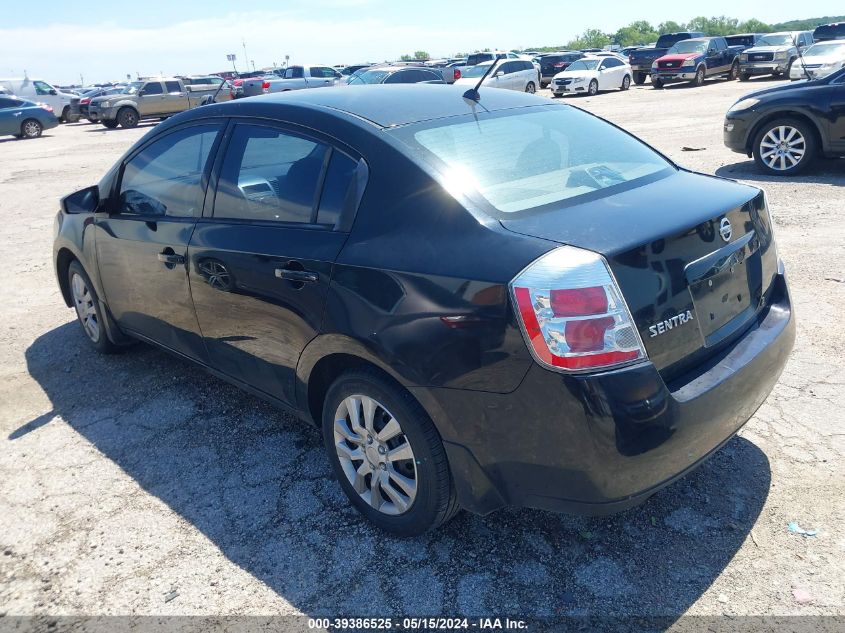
(472, 94)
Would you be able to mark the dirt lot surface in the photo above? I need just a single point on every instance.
(137, 484)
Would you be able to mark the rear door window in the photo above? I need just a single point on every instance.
(173, 86)
(270, 175)
(336, 188)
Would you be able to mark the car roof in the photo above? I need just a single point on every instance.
(383, 105)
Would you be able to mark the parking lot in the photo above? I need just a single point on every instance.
(137, 484)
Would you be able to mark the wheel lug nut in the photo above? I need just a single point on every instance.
(382, 450)
(383, 466)
(369, 439)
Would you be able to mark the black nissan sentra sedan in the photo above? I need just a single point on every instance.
(483, 303)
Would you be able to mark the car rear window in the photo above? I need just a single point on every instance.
(535, 157)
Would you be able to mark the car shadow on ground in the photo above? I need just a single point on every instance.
(257, 484)
(99, 127)
(824, 171)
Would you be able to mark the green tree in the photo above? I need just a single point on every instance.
(669, 27)
(421, 55)
(721, 25)
(640, 32)
(591, 38)
(754, 26)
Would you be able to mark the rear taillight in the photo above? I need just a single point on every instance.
(84, 101)
(457, 74)
(265, 86)
(572, 312)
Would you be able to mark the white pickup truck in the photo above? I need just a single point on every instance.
(294, 78)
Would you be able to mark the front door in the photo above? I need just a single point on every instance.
(151, 99)
(837, 117)
(142, 242)
(260, 265)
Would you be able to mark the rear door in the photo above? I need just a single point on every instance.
(261, 260)
(176, 99)
(837, 117)
(142, 244)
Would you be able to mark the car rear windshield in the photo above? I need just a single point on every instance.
(667, 41)
(534, 157)
(368, 77)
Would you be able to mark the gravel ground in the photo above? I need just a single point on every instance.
(137, 484)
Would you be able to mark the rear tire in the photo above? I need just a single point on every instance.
(626, 83)
(408, 495)
(127, 117)
(734, 72)
(31, 128)
(794, 138)
(530, 88)
(87, 306)
(639, 78)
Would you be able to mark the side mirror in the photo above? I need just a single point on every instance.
(711, 51)
(53, 91)
(499, 73)
(83, 201)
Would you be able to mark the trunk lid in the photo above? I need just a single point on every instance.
(690, 290)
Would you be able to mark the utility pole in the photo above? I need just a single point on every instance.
(246, 57)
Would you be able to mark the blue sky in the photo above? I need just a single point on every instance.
(185, 36)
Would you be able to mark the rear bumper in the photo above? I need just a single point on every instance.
(602, 443)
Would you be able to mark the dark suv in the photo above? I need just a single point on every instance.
(479, 306)
(553, 63)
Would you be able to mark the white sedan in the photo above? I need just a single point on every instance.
(589, 75)
(513, 74)
(819, 60)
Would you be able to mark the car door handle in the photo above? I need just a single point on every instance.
(301, 276)
(171, 258)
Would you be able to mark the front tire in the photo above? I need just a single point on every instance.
(785, 147)
(387, 454)
(530, 88)
(699, 77)
(656, 83)
(127, 118)
(110, 123)
(31, 128)
(639, 78)
(744, 77)
(65, 114)
(87, 307)
(593, 88)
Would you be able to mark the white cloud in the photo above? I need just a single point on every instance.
(105, 51)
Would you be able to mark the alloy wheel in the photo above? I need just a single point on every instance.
(83, 301)
(530, 88)
(375, 455)
(782, 148)
(31, 129)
